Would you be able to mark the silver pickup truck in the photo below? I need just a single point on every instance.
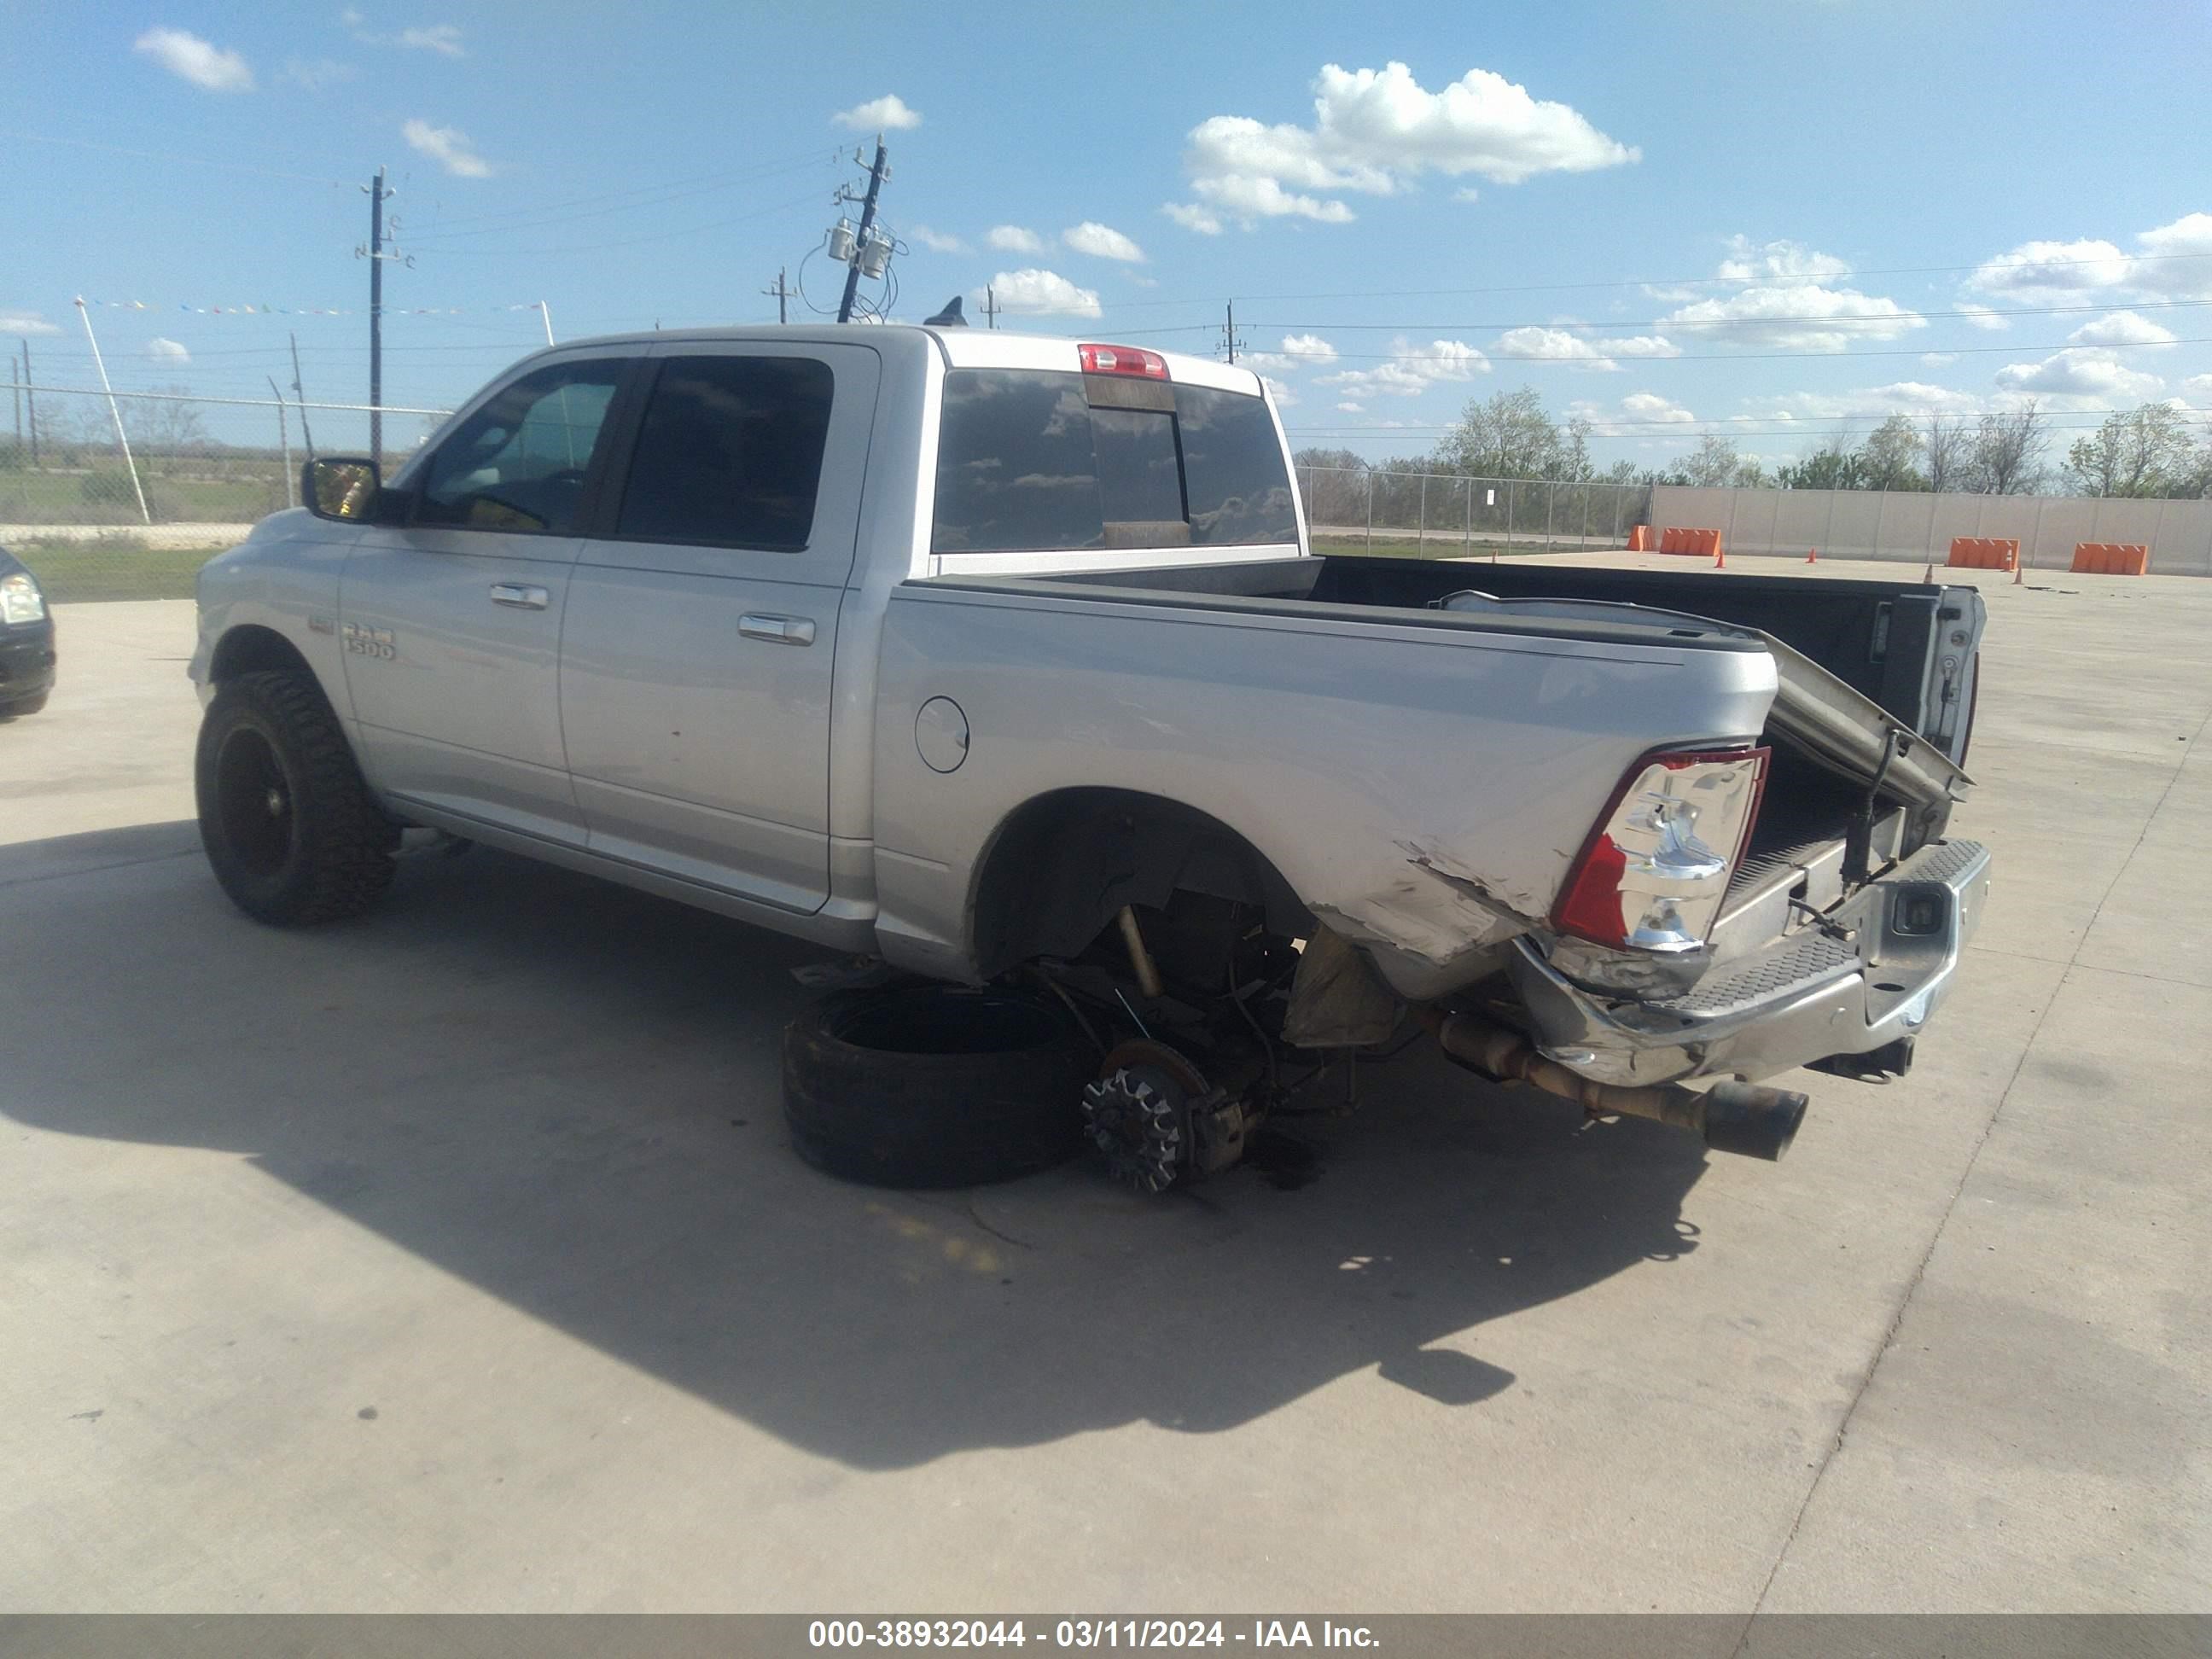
(997, 657)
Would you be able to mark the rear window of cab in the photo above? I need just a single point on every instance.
(1042, 461)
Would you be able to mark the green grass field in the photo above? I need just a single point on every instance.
(103, 495)
(113, 568)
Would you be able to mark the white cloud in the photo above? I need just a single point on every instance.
(449, 147)
(2084, 376)
(1412, 369)
(315, 74)
(2121, 328)
(1299, 351)
(200, 62)
(2171, 261)
(2198, 385)
(1867, 403)
(888, 113)
(1102, 242)
(1191, 216)
(1939, 359)
(1282, 393)
(1351, 408)
(1039, 294)
(1376, 131)
(937, 241)
(166, 351)
(1787, 302)
(2178, 257)
(1649, 408)
(1781, 260)
(25, 322)
(1558, 345)
(2040, 270)
(1013, 238)
(1983, 318)
(442, 37)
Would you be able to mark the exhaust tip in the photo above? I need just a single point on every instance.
(1753, 1122)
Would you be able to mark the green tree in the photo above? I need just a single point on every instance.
(2145, 452)
(1509, 435)
(1713, 462)
(1890, 458)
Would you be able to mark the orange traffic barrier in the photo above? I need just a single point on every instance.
(1639, 538)
(1984, 553)
(1699, 544)
(2111, 559)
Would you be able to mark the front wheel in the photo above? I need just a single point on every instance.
(292, 832)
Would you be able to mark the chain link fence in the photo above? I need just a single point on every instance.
(97, 515)
(96, 521)
(1445, 515)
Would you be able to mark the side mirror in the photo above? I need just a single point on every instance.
(346, 487)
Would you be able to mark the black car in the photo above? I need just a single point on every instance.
(27, 640)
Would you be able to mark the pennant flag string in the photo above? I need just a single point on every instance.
(317, 311)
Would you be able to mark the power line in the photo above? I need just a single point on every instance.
(438, 232)
(1678, 281)
(176, 160)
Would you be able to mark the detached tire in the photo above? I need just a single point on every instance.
(933, 1085)
(292, 832)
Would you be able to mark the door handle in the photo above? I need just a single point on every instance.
(783, 630)
(521, 598)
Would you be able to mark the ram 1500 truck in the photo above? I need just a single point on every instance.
(993, 655)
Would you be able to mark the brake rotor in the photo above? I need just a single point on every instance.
(1138, 1114)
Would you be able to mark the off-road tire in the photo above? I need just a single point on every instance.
(320, 849)
(904, 1116)
(22, 706)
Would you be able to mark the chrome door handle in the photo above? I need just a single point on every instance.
(521, 598)
(783, 630)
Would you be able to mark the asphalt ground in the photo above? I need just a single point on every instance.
(455, 1259)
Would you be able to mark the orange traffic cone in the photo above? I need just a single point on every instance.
(1812, 556)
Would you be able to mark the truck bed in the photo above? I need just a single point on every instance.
(1874, 636)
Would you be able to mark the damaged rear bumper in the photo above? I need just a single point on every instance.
(1871, 976)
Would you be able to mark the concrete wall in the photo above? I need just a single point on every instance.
(1870, 523)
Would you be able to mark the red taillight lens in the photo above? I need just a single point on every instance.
(1656, 869)
(1123, 359)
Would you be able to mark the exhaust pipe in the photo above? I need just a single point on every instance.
(1744, 1118)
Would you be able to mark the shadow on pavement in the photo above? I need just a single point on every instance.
(566, 1094)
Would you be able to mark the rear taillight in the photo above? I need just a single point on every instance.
(1123, 359)
(1654, 871)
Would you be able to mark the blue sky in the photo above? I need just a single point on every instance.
(1760, 219)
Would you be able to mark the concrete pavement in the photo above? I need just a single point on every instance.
(454, 1258)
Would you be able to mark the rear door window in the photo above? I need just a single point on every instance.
(1027, 463)
(729, 452)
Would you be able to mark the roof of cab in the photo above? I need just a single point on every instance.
(960, 348)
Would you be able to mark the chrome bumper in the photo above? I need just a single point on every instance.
(1808, 996)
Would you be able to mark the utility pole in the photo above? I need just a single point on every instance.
(1228, 339)
(378, 196)
(31, 403)
(877, 174)
(15, 391)
(990, 306)
(306, 437)
(783, 294)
